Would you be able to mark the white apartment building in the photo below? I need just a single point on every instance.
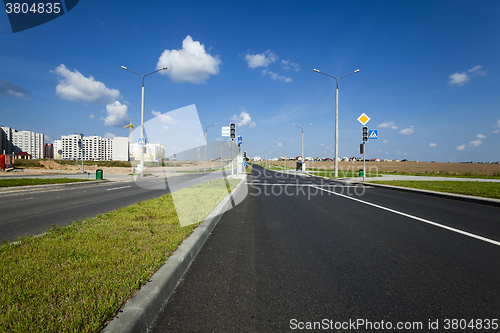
(95, 148)
(154, 151)
(6, 140)
(28, 142)
(57, 147)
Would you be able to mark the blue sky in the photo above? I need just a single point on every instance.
(429, 73)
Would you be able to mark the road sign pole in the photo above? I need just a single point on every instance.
(364, 160)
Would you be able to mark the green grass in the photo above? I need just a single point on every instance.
(495, 175)
(37, 181)
(76, 278)
(21, 163)
(205, 196)
(480, 189)
(249, 168)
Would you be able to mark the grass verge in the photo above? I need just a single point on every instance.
(480, 189)
(446, 174)
(37, 181)
(74, 279)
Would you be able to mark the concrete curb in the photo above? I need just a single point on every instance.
(453, 196)
(141, 311)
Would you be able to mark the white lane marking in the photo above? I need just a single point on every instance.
(117, 188)
(295, 184)
(417, 218)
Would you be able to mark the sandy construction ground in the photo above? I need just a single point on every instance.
(52, 167)
(408, 167)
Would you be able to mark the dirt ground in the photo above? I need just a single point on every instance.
(409, 167)
(53, 167)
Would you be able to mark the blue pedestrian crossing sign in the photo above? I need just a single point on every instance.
(373, 134)
(141, 141)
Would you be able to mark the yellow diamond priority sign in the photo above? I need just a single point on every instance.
(363, 119)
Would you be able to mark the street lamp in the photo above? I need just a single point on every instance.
(284, 168)
(336, 117)
(206, 142)
(142, 112)
(303, 158)
(81, 147)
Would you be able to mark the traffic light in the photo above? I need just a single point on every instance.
(245, 154)
(365, 133)
(362, 148)
(232, 130)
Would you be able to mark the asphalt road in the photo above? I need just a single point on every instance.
(34, 211)
(281, 261)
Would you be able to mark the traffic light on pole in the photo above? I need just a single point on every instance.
(232, 130)
(365, 133)
(362, 148)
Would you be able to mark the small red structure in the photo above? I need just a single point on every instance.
(22, 156)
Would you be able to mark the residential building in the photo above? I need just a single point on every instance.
(28, 142)
(95, 148)
(48, 150)
(154, 151)
(6, 141)
(57, 146)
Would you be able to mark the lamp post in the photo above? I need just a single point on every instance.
(81, 146)
(206, 142)
(336, 117)
(142, 112)
(303, 158)
(284, 168)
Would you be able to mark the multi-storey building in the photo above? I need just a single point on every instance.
(95, 148)
(154, 151)
(48, 150)
(6, 134)
(28, 142)
(57, 147)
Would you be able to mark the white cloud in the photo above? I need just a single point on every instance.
(462, 78)
(109, 135)
(389, 124)
(498, 124)
(478, 70)
(8, 111)
(92, 116)
(432, 144)
(10, 89)
(116, 115)
(495, 132)
(189, 64)
(219, 139)
(73, 86)
(261, 59)
(385, 141)
(462, 147)
(287, 65)
(407, 131)
(481, 136)
(276, 76)
(459, 78)
(281, 145)
(475, 143)
(243, 119)
(164, 118)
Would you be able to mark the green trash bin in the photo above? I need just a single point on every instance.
(361, 172)
(98, 174)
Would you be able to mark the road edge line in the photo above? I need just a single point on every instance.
(451, 196)
(141, 310)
